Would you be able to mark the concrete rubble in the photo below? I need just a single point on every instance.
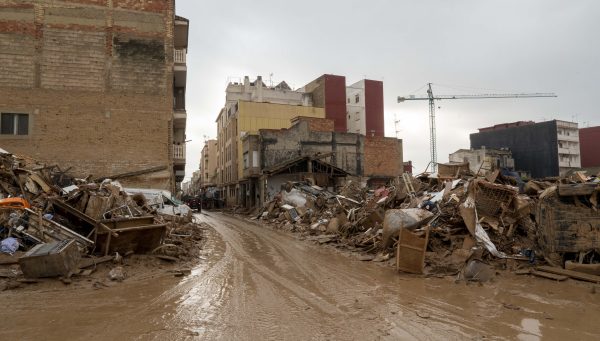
(53, 225)
(454, 223)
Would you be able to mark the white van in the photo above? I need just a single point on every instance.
(161, 200)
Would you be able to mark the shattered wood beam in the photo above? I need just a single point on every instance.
(577, 189)
(134, 173)
(573, 274)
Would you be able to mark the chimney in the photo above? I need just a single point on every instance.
(259, 89)
(246, 84)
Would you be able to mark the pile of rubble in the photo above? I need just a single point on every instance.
(454, 223)
(53, 225)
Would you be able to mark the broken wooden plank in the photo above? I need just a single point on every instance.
(87, 262)
(167, 258)
(523, 272)
(549, 275)
(6, 259)
(576, 189)
(592, 269)
(53, 230)
(573, 274)
(134, 173)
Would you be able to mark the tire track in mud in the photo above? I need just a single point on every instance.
(319, 297)
(258, 283)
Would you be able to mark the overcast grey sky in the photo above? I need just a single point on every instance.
(469, 47)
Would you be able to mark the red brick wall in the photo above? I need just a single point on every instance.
(335, 101)
(315, 124)
(374, 108)
(589, 145)
(321, 124)
(142, 5)
(383, 156)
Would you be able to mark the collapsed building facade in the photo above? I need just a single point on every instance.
(262, 128)
(96, 86)
(310, 150)
(484, 160)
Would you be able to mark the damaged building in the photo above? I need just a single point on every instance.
(483, 161)
(542, 149)
(311, 150)
(263, 127)
(103, 80)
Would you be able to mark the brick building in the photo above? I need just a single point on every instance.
(589, 140)
(250, 106)
(98, 86)
(329, 92)
(364, 101)
(356, 108)
(208, 164)
(254, 110)
(311, 148)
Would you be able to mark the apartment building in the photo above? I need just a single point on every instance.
(208, 164)
(251, 106)
(355, 108)
(364, 101)
(542, 149)
(96, 86)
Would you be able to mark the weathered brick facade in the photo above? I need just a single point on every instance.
(315, 124)
(95, 78)
(383, 157)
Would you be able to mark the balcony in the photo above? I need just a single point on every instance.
(180, 56)
(570, 138)
(181, 32)
(179, 68)
(179, 153)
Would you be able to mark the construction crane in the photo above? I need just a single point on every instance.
(431, 98)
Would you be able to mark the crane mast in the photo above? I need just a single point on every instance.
(432, 132)
(431, 98)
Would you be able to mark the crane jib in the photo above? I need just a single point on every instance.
(431, 98)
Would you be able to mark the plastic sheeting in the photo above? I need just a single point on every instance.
(9, 245)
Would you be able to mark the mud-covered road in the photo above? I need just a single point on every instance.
(259, 284)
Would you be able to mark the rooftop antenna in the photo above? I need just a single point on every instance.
(271, 79)
(396, 123)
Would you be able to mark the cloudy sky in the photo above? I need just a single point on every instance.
(462, 47)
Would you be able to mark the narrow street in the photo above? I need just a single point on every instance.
(260, 284)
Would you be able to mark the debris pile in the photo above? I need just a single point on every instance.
(53, 225)
(452, 222)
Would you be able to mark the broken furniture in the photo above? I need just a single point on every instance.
(410, 255)
(51, 259)
(122, 235)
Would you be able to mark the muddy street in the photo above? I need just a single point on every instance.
(254, 283)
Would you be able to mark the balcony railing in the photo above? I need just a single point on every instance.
(180, 56)
(178, 100)
(179, 151)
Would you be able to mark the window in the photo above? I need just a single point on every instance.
(356, 98)
(246, 165)
(14, 124)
